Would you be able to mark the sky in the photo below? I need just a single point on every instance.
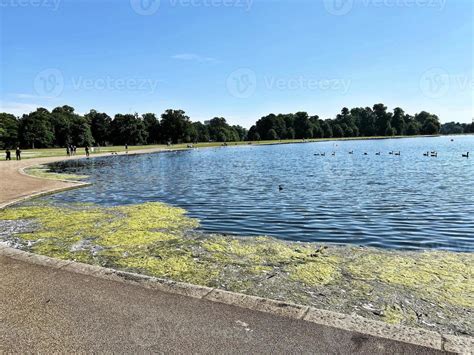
(238, 59)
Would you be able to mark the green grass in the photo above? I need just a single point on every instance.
(58, 152)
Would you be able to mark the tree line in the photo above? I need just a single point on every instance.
(457, 128)
(63, 126)
(359, 121)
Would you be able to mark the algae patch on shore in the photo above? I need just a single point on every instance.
(432, 289)
(42, 171)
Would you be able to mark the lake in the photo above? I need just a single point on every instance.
(408, 201)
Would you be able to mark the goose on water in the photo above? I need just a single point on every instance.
(466, 155)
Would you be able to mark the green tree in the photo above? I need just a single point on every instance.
(241, 132)
(398, 121)
(8, 130)
(413, 128)
(202, 132)
(35, 129)
(337, 130)
(81, 134)
(383, 119)
(61, 120)
(272, 135)
(302, 126)
(128, 129)
(327, 129)
(428, 122)
(175, 126)
(101, 125)
(152, 127)
(253, 134)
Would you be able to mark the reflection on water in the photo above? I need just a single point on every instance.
(408, 201)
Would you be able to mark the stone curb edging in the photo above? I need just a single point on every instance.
(22, 171)
(355, 323)
(74, 185)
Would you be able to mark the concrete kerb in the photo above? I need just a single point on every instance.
(417, 336)
(76, 185)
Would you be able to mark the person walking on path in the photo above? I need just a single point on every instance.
(126, 148)
(68, 152)
(8, 155)
(18, 153)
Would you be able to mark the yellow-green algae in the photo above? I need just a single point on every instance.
(43, 172)
(435, 275)
(159, 240)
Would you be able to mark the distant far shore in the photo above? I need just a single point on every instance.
(58, 152)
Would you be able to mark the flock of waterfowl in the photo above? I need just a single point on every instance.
(427, 154)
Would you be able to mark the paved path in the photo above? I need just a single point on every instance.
(15, 186)
(44, 309)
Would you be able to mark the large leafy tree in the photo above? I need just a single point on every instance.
(429, 123)
(81, 134)
(175, 126)
(36, 130)
(302, 126)
(8, 130)
(383, 119)
(398, 121)
(128, 129)
(101, 125)
(202, 132)
(152, 126)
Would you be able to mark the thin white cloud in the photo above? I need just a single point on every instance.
(17, 108)
(194, 57)
(30, 96)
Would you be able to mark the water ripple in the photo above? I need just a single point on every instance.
(408, 202)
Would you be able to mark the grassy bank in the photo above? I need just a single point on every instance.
(59, 152)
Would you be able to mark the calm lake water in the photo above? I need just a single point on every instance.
(408, 201)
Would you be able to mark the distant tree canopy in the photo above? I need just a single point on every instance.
(359, 121)
(62, 126)
(457, 128)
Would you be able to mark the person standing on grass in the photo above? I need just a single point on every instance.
(126, 148)
(18, 153)
(68, 152)
(8, 155)
(87, 151)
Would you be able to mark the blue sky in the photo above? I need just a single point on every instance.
(240, 59)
